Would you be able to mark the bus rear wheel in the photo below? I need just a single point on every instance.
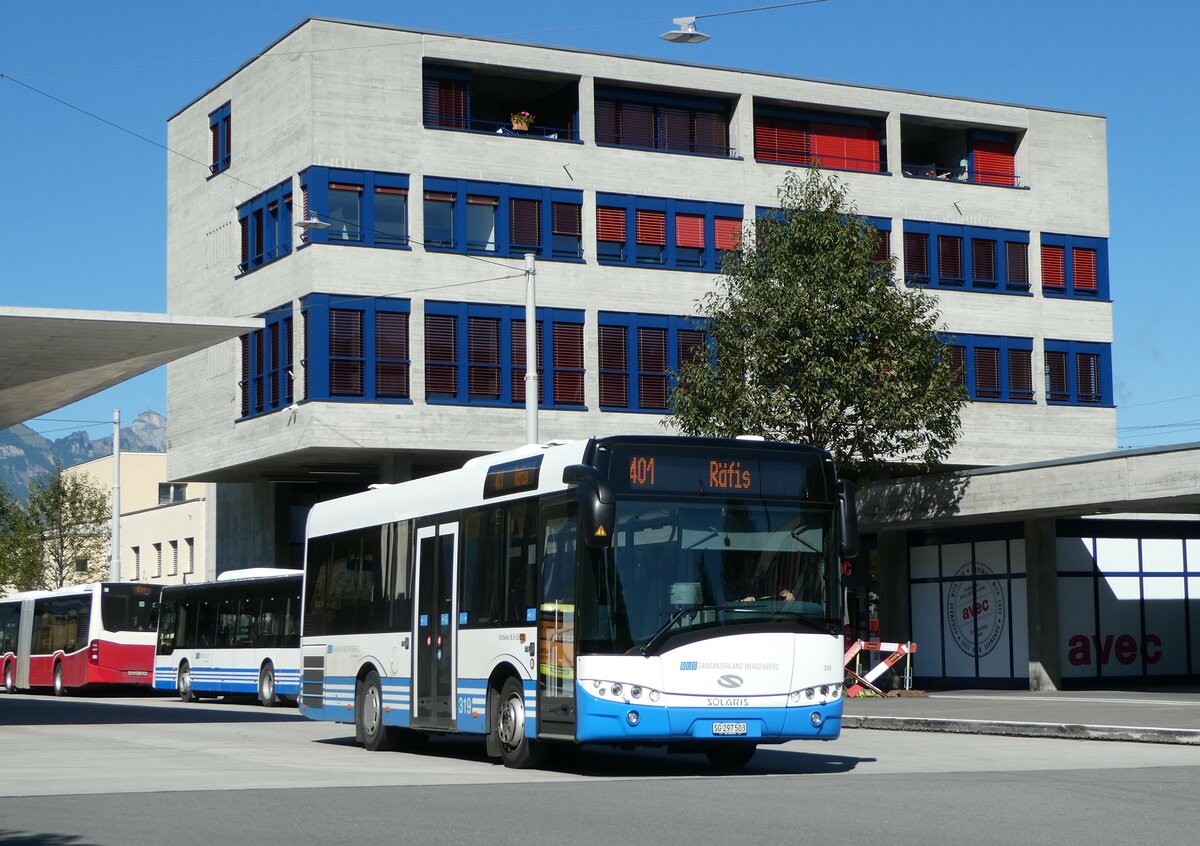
(10, 685)
(730, 756)
(183, 681)
(517, 750)
(368, 714)
(266, 686)
(60, 689)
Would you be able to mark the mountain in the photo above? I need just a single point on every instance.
(24, 454)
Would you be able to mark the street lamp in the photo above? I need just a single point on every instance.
(686, 33)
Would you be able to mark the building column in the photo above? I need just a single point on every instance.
(894, 616)
(1041, 598)
(397, 467)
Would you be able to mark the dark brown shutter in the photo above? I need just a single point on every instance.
(483, 357)
(987, 373)
(525, 222)
(345, 352)
(983, 259)
(949, 257)
(391, 355)
(568, 363)
(916, 255)
(1058, 389)
(517, 342)
(607, 130)
(1020, 374)
(567, 218)
(245, 383)
(441, 355)
(1087, 377)
(1016, 258)
(711, 133)
(652, 368)
(614, 366)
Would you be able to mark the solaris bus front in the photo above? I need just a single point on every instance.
(708, 607)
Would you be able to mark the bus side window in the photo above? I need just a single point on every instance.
(206, 624)
(397, 614)
(480, 593)
(316, 566)
(520, 562)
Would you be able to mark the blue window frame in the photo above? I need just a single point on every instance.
(1074, 266)
(356, 348)
(970, 258)
(362, 207)
(465, 216)
(665, 233)
(475, 355)
(638, 354)
(266, 384)
(658, 120)
(1078, 373)
(266, 227)
(994, 368)
(220, 127)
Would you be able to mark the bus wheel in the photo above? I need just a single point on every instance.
(59, 688)
(516, 748)
(266, 686)
(183, 681)
(10, 685)
(369, 715)
(730, 756)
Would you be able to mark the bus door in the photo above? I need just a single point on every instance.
(435, 624)
(24, 643)
(556, 621)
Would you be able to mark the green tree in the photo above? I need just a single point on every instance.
(20, 555)
(815, 343)
(69, 525)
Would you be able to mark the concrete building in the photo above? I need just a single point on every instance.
(393, 337)
(163, 523)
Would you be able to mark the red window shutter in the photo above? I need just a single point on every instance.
(440, 197)
(1057, 387)
(483, 357)
(675, 129)
(779, 140)
(983, 259)
(606, 122)
(949, 257)
(916, 254)
(652, 367)
(689, 230)
(614, 366)
(958, 362)
(1083, 266)
(342, 186)
(525, 222)
(862, 148)
(568, 363)
(845, 147)
(1054, 273)
(993, 161)
(480, 200)
(1087, 377)
(691, 346)
(728, 233)
(766, 140)
(441, 355)
(711, 133)
(1017, 263)
(651, 227)
(1020, 374)
(883, 250)
(345, 352)
(391, 355)
(567, 219)
(636, 126)
(610, 224)
(987, 372)
(245, 383)
(517, 342)
(383, 189)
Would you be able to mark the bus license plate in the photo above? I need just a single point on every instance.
(729, 729)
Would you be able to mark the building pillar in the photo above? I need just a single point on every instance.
(894, 615)
(1041, 590)
(397, 467)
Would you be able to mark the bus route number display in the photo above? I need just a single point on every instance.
(716, 474)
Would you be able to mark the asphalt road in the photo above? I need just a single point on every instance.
(124, 772)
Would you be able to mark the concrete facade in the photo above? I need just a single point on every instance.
(349, 96)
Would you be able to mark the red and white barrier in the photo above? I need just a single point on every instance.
(897, 651)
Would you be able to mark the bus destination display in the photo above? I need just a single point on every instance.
(512, 477)
(730, 472)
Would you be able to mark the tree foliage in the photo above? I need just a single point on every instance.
(59, 537)
(815, 343)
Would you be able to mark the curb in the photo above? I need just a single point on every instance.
(1134, 734)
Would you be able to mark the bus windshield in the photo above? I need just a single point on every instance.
(709, 563)
(129, 608)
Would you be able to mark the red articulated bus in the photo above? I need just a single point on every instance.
(101, 633)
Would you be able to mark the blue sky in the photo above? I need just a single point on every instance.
(86, 203)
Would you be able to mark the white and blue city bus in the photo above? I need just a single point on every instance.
(237, 635)
(633, 591)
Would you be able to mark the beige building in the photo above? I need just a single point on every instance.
(162, 523)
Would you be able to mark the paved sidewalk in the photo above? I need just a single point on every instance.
(1143, 716)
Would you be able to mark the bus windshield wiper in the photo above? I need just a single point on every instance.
(661, 634)
(817, 625)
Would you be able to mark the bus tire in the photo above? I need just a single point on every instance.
(60, 689)
(368, 715)
(10, 683)
(517, 749)
(730, 755)
(183, 681)
(267, 696)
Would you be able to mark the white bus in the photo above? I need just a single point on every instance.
(237, 635)
(629, 590)
(100, 633)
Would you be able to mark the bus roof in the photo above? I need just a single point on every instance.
(258, 573)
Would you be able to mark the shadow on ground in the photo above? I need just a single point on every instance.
(33, 710)
(29, 838)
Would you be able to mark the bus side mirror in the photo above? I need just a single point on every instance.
(848, 517)
(596, 506)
